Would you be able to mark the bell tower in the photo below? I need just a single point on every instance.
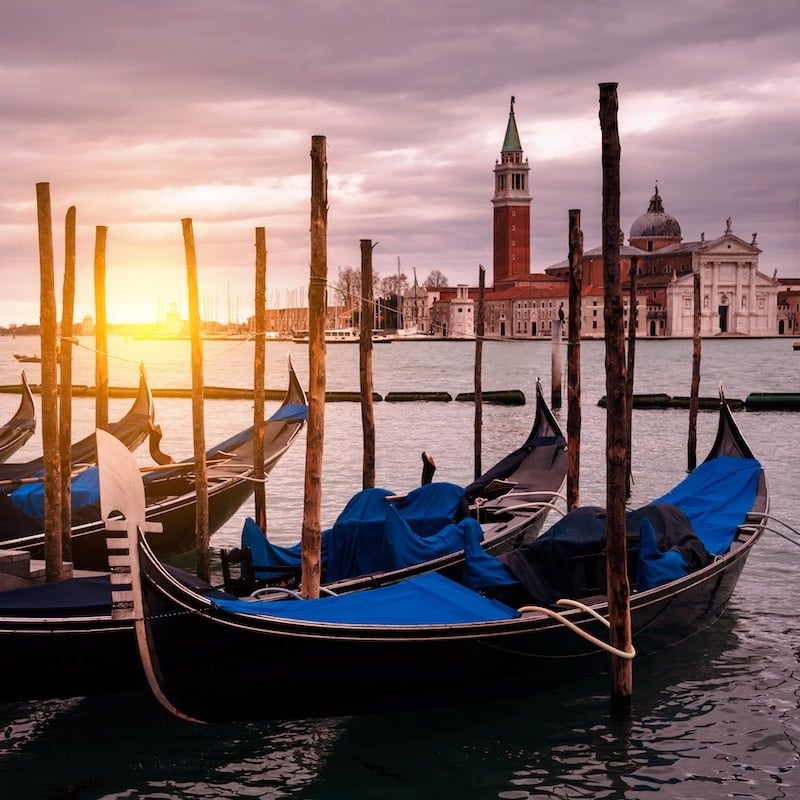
(512, 213)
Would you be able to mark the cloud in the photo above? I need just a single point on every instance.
(141, 114)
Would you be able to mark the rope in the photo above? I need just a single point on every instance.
(497, 509)
(573, 627)
(763, 515)
(755, 528)
(238, 343)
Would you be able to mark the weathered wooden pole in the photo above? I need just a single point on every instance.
(65, 385)
(201, 534)
(365, 367)
(555, 363)
(312, 498)
(574, 360)
(616, 432)
(694, 397)
(629, 377)
(259, 365)
(53, 554)
(100, 330)
(480, 326)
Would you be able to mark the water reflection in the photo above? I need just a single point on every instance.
(123, 746)
(691, 735)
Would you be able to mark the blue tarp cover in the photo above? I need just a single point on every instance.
(656, 567)
(708, 505)
(716, 497)
(72, 597)
(428, 599)
(295, 412)
(85, 490)
(375, 535)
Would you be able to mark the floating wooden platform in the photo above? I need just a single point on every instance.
(405, 397)
(668, 401)
(509, 397)
(504, 397)
(773, 401)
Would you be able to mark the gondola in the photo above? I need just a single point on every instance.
(70, 622)
(171, 490)
(428, 641)
(16, 432)
(132, 430)
(382, 537)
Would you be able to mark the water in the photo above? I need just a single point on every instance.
(716, 717)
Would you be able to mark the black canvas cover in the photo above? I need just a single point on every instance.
(568, 561)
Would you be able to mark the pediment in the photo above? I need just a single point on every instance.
(728, 245)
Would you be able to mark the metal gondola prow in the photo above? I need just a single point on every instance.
(729, 440)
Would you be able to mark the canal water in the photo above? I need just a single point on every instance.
(715, 717)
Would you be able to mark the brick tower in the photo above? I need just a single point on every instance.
(512, 212)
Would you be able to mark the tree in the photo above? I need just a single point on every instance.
(347, 289)
(435, 280)
(394, 284)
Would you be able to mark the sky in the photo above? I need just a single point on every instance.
(141, 114)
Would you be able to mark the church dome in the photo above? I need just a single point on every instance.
(656, 223)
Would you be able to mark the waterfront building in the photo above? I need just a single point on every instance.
(789, 307)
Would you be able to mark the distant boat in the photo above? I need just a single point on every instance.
(21, 426)
(339, 336)
(796, 346)
(28, 359)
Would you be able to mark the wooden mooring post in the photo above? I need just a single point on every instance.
(365, 367)
(310, 568)
(53, 555)
(479, 334)
(616, 429)
(629, 377)
(100, 330)
(574, 360)
(65, 384)
(694, 396)
(259, 366)
(555, 361)
(198, 416)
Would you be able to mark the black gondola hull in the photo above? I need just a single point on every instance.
(293, 670)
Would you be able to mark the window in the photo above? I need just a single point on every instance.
(594, 323)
